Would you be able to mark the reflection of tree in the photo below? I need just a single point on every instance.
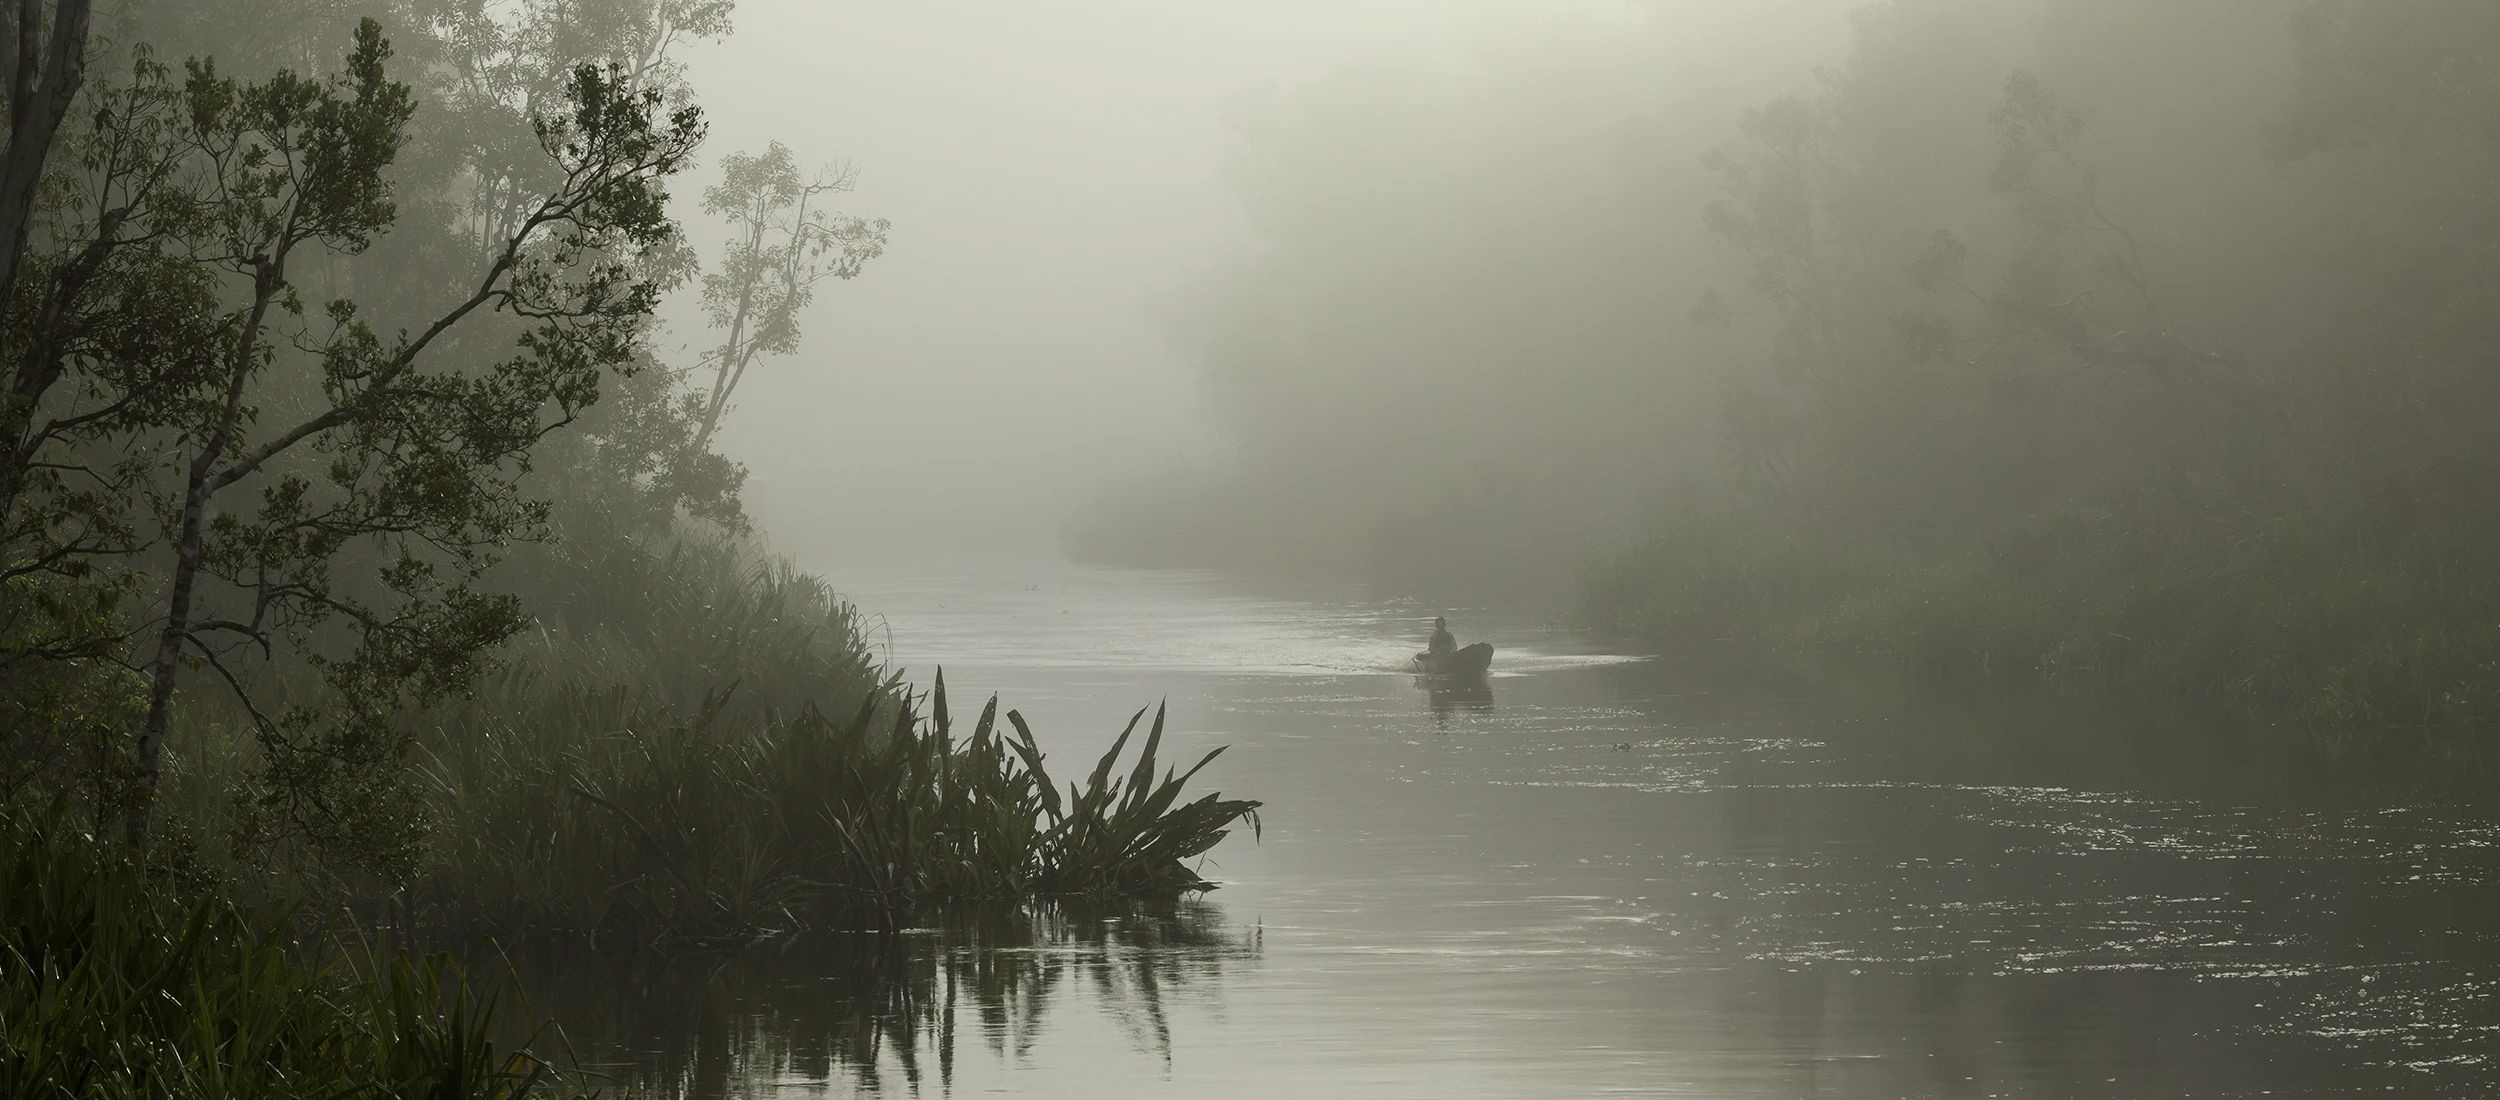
(872, 1007)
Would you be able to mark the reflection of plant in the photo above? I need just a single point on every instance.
(873, 1007)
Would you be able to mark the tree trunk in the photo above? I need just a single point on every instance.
(43, 86)
(735, 350)
(40, 95)
(166, 667)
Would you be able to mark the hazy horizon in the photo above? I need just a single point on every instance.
(1048, 173)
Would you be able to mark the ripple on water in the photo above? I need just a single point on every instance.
(2070, 856)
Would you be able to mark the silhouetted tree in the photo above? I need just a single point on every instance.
(206, 440)
(783, 241)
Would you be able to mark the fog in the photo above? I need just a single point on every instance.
(1053, 172)
(1795, 548)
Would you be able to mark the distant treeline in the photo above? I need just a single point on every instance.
(2132, 342)
(1450, 359)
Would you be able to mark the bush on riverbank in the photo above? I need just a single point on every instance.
(699, 742)
(600, 811)
(118, 981)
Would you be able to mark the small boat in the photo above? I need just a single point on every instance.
(1471, 661)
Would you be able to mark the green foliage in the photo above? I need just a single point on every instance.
(299, 355)
(571, 806)
(698, 743)
(688, 615)
(1113, 835)
(290, 377)
(64, 729)
(196, 449)
(115, 982)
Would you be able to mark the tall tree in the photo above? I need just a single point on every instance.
(43, 76)
(783, 242)
(300, 480)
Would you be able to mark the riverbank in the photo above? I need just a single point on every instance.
(1496, 899)
(698, 744)
(2313, 618)
(658, 767)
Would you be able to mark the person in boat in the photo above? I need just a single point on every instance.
(1443, 642)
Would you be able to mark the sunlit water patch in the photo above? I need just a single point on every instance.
(1175, 621)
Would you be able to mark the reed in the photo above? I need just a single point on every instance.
(118, 982)
(701, 745)
(603, 811)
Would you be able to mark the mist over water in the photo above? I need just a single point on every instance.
(900, 549)
(1307, 322)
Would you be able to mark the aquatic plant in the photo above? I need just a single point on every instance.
(605, 811)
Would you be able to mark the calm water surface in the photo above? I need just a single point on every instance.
(1616, 874)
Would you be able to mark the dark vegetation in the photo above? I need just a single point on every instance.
(124, 982)
(2133, 344)
(363, 565)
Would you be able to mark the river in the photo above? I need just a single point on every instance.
(1700, 874)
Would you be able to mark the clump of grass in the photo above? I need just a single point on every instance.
(606, 812)
(700, 745)
(115, 983)
(1114, 835)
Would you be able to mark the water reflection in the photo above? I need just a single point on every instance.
(1447, 695)
(888, 1014)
